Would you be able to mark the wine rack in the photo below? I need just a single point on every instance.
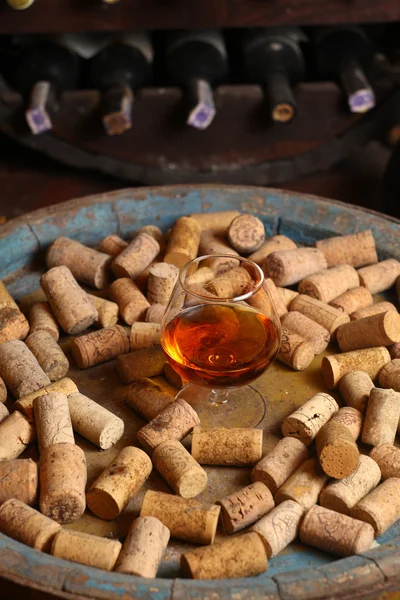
(56, 16)
(242, 144)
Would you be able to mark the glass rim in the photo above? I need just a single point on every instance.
(240, 298)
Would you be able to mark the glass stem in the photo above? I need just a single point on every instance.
(218, 396)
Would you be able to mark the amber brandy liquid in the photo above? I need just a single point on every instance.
(220, 345)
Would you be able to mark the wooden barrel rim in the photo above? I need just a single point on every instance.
(364, 576)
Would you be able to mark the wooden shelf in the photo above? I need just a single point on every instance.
(241, 145)
(55, 16)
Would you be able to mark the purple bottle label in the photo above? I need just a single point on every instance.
(361, 101)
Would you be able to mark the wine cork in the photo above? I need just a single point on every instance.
(280, 463)
(229, 284)
(186, 518)
(325, 315)
(64, 386)
(342, 495)
(136, 257)
(394, 350)
(286, 267)
(216, 222)
(353, 300)
(145, 335)
(147, 362)
(48, 354)
(26, 302)
(107, 312)
(381, 507)
(94, 422)
(389, 376)
(148, 398)
(3, 393)
(374, 309)
(245, 507)
(52, 420)
(131, 302)
(388, 458)
(287, 295)
(337, 451)
(370, 360)
(153, 231)
(382, 417)
(351, 418)
(304, 486)
(272, 244)
(295, 351)
(62, 477)
(335, 533)
(173, 423)
(112, 245)
(19, 479)
(246, 233)
(155, 313)
(355, 388)
(42, 319)
(143, 548)
(279, 527)
(16, 433)
(308, 329)
(20, 370)
(86, 549)
(183, 242)
(328, 284)
(100, 346)
(173, 377)
(186, 477)
(4, 414)
(219, 446)
(69, 303)
(357, 249)
(202, 276)
(381, 276)
(277, 298)
(161, 282)
(242, 556)
(86, 265)
(379, 330)
(305, 422)
(118, 483)
(212, 244)
(6, 300)
(26, 525)
(13, 325)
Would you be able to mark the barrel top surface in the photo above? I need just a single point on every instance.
(301, 573)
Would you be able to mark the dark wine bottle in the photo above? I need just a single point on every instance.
(346, 54)
(197, 60)
(45, 69)
(120, 68)
(273, 58)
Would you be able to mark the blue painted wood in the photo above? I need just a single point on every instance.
(305, 219)
(17, 248)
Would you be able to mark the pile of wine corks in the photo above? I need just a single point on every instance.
(333, 480)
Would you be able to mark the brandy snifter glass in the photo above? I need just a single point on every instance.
(220, 332)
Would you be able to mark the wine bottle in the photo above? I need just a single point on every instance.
(44, 70)
(197, 60)
(273, 58)
(118, 70)
(346, 54)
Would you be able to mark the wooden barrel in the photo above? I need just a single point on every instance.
(298, 574)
